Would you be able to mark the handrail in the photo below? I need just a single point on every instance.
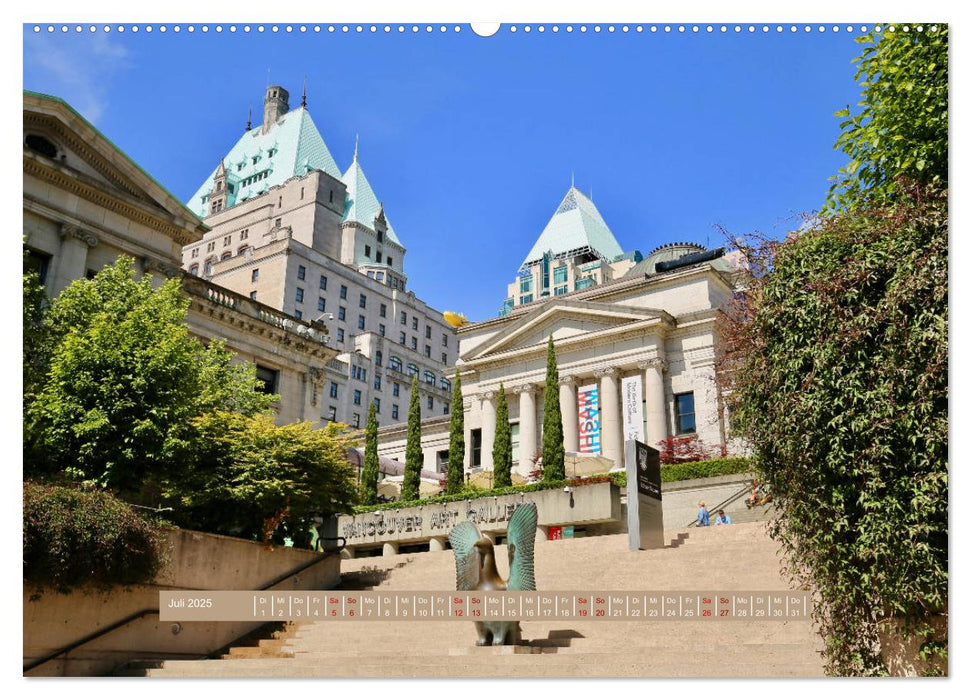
(155, 611)
(733, 497)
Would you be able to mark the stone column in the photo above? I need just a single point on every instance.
(655, 407)
(527, 427)
(611, 426)
(568, 411)
(389, 549)
(72, 258)
(488, 427)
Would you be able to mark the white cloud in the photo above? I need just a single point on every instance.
(77, 69)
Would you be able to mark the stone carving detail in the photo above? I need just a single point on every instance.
(655, 363)
(523, 389)
(316, 377)
(150, 265)
(71, 231)
(488, 395)
(607, 372)
(568, 379)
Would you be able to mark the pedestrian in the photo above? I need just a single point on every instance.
(702, 515)
(723, 519)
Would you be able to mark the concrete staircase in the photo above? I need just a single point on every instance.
(733, 558)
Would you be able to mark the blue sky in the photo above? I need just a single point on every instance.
(470, 142)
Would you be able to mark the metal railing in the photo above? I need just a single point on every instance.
(730, 499)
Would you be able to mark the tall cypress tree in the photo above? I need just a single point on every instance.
(502, 446)
(369, 475)
(456, 440)
(414, 459)
(553, 452)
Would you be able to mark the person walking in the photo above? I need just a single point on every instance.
(702, 515)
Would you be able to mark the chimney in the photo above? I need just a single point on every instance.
(275, 105)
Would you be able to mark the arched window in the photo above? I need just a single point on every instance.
(377, 358)
(446, 384)
(208, 268)
(194, 270)
(242, 249)
(429, 377)
(412, 369)
(394, 363)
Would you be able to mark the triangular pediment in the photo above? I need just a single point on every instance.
(563, 320)
(93, 160)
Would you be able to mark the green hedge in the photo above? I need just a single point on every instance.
(669, 472)
(76, 538)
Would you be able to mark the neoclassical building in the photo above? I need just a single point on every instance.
(289, 229)
(635, 353)
(86, 203)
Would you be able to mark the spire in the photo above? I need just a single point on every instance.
(249, 118)
(572, 182)
(357, 141)
(303, 100)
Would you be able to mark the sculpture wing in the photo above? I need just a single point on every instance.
(467, 563)
(522, 538)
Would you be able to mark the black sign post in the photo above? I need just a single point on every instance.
(645, 517)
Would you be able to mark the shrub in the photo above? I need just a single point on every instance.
(78, 538)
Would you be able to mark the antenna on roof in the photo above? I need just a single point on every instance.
(303, 100)
(249, 118)
(572, 181)
(357, 140)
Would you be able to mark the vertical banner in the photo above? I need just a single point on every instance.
(632, 398)
(588, 405)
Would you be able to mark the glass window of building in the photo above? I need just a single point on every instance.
(396, 389)
(268, 379)
(383, 311)
(429, 377)
(525, 284)
(377, 405)
(428, 332)
(377, 358)
(414, 323)
(341, 313)
(252, 295)
(363, 302)
(323, 282)
(357, 397)
(559, 274)
(381, 329)
(321, 304)
(360, 323)
(402, 337)
(684, 407)
(299, 295)
(367, 251)
(445, 409)
(377, 382)
(340, 335)
(404, 318)
(444, 340)
(557, 291)
(412, 369)
(343, 292)
(395, 364)
(428, 351)
(394, 411)
(431, 403)
(333, 390)
(446, 384)
(357, 420)
(255, 274)
(526, 299)
(332, 413)
(301, 272)
(414, 343)
(298, 314)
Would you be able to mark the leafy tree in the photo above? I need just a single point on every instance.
(369, 475)
(554, 455)
(899, 137)
(35, 340)
(456, 441)
(251, 478)
(414, 458)
(837, 365)
(123, 382)
(502, 445)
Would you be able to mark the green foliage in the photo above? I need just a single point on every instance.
(900, 135)
(124, 380)
(86, 538)
(456, 440)
(414, 457)
(370, 473)
(705, 468)
(554, 454)
(502, 445)
(35, 340)
(253, 479)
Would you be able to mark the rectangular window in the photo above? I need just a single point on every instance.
(301, 272)
(323, 282)
(357, 397)
(525, 284)
(278, 223)
(444, 340)
(298, 314)
(377, 382)
(383, 311)
(380, 236)
(357, 420)
(252, 295)
(428, 351)
(402, 337)
(404, 318)
(394, 411)
(377, 405)
(526, 299)
(377, 256)
(476, 447)
(244, 234)
(268, 379)
(360, 323)
(340, 335)
(559, 275)
(444, 358)
(381, 329)
(195, 252)
(255, 274)
(684, 407)
(211, 246)
(557, 291)
(431, 403)
(343, 292)
(321, 304)
(299, 295)
(333, 390)
(390, 262)
(396, 388)
(428, 332)
(332, 413)
(414, 323)
(445, 408)
(378, 356)
(367, 251)
(414, 343)
(341, 313)
(363, 302)
(514, 437)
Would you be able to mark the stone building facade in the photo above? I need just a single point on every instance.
(86, 203)
(288, 229)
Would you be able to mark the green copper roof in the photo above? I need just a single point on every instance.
(291, 147)
(362, 204)
(576, 226)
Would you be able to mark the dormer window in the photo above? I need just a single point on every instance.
(380, 236)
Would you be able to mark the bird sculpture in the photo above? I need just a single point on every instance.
(475, 568)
